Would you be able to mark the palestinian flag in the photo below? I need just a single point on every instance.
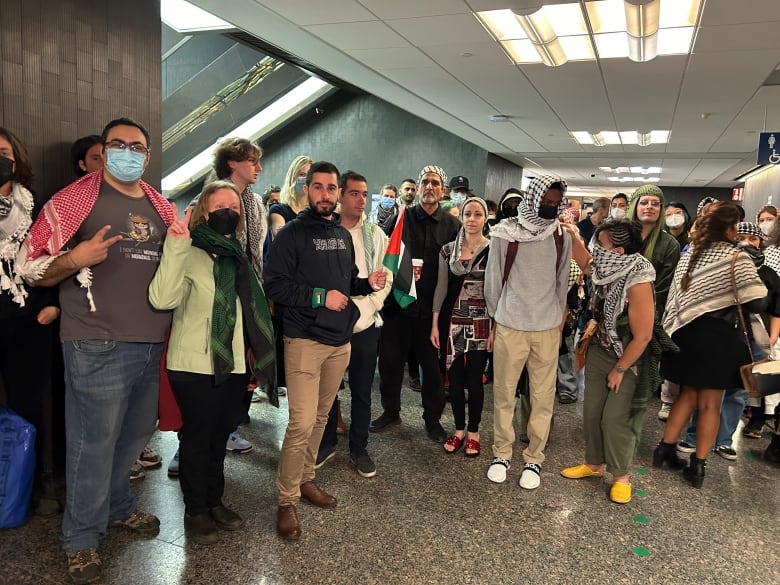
(398, 260)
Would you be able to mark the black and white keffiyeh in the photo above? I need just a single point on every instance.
(433, 169)
(613, 275)
(710, 287)
(772, 258)
(256, 228)
(14, 225)
(528, 226)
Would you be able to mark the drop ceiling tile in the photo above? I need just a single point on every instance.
(717, 12)
(440, 30)
(358, 35)
(414, 8)
(738, 37)
(332, 11)
(392, 58)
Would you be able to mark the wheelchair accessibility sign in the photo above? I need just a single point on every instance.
(768, 145)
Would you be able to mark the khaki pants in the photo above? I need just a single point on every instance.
(512, 351)
(608, 435)
(314, 372)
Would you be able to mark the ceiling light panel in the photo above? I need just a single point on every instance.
(675, 41)
(611, 137)
(582, 137)
(522, 51)
(675, 13)
(502, 24)
(612, 45)
(606, 16)
(577, 48)
(566, 19)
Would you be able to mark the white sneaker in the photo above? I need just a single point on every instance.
(237, 444)
(666, 408)
(497, 470)
(530, 478)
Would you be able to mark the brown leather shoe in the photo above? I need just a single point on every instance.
(287, 525)
(312, 493)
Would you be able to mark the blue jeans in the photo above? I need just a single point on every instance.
(111, 402)
(734, 401)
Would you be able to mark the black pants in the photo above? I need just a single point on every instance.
(207, 414)
(466, 372)
(399, 334)
(362, 364)
(25, 373)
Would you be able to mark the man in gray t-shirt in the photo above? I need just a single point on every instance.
(99, 238)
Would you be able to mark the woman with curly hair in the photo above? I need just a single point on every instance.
(701, 317)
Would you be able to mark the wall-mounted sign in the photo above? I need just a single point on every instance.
(737, 193)
(768, 145)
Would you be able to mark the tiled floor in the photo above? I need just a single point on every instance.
(429, 517)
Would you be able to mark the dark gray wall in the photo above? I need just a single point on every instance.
(501, 175)
(69, 67)
(382, 142)
(690, 197)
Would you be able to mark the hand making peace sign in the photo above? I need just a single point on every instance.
(180, 228)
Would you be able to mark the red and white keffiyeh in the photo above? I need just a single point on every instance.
(61, 218)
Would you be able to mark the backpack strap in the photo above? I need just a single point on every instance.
(511, 252)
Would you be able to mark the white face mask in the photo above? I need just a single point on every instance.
(617, 213)
(767, 226)
(674, 221)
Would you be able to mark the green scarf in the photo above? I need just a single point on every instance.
(235, 278)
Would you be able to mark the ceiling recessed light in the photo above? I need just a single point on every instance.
(467, 55)
(499, 118)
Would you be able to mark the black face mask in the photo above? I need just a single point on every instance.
(6, 170)
(756, 255)
(509, 210)
(223, 221)
(548, 211)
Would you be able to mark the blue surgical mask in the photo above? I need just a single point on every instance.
(125, 164)
(387, 202)
(458, 198)
(299, 183)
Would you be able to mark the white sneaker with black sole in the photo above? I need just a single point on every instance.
(531, 476)
(726, 452)
(666, 408)
(497, 470)
(237, 444)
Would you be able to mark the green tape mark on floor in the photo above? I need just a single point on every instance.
(641, 493)
(640, 551)
(641, 519)
(641, 471)
(642, 452)
(749, 456)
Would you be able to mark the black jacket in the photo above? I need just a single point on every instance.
(312, 252)
(425, 235)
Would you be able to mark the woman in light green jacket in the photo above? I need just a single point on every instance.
(217, 302)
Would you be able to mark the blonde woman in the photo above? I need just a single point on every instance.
(292, 200)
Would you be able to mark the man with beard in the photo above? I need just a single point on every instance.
(526, 282)
(426, 229)
(408, 193)
(311, 272)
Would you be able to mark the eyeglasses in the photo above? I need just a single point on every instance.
(136, 147)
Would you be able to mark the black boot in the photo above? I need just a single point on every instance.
(694, 473)
(667, 452)
(772, 453)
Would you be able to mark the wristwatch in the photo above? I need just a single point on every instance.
(620, 369)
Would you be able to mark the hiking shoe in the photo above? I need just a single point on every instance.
(84, 566)
(666, 408)
(150, 458)
(686, 447)
(173, 466)
(497, 470)
(530, 478)
(726, 452)
(237, 444)
(414, 384)
(201, 528)
(363, 464)
(140, 522)
(323, 457)
(137, 470)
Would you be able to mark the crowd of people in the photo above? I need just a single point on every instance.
(291, 291)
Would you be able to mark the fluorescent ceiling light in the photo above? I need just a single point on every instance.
(660, 136)
(611, 137)
(186, 18)
(612, 45)
(522, 51)
(629, 137)
(577, 48)
(675, 41)
(636, 29)
(599, 140)
(582, 137)
(258, 125)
